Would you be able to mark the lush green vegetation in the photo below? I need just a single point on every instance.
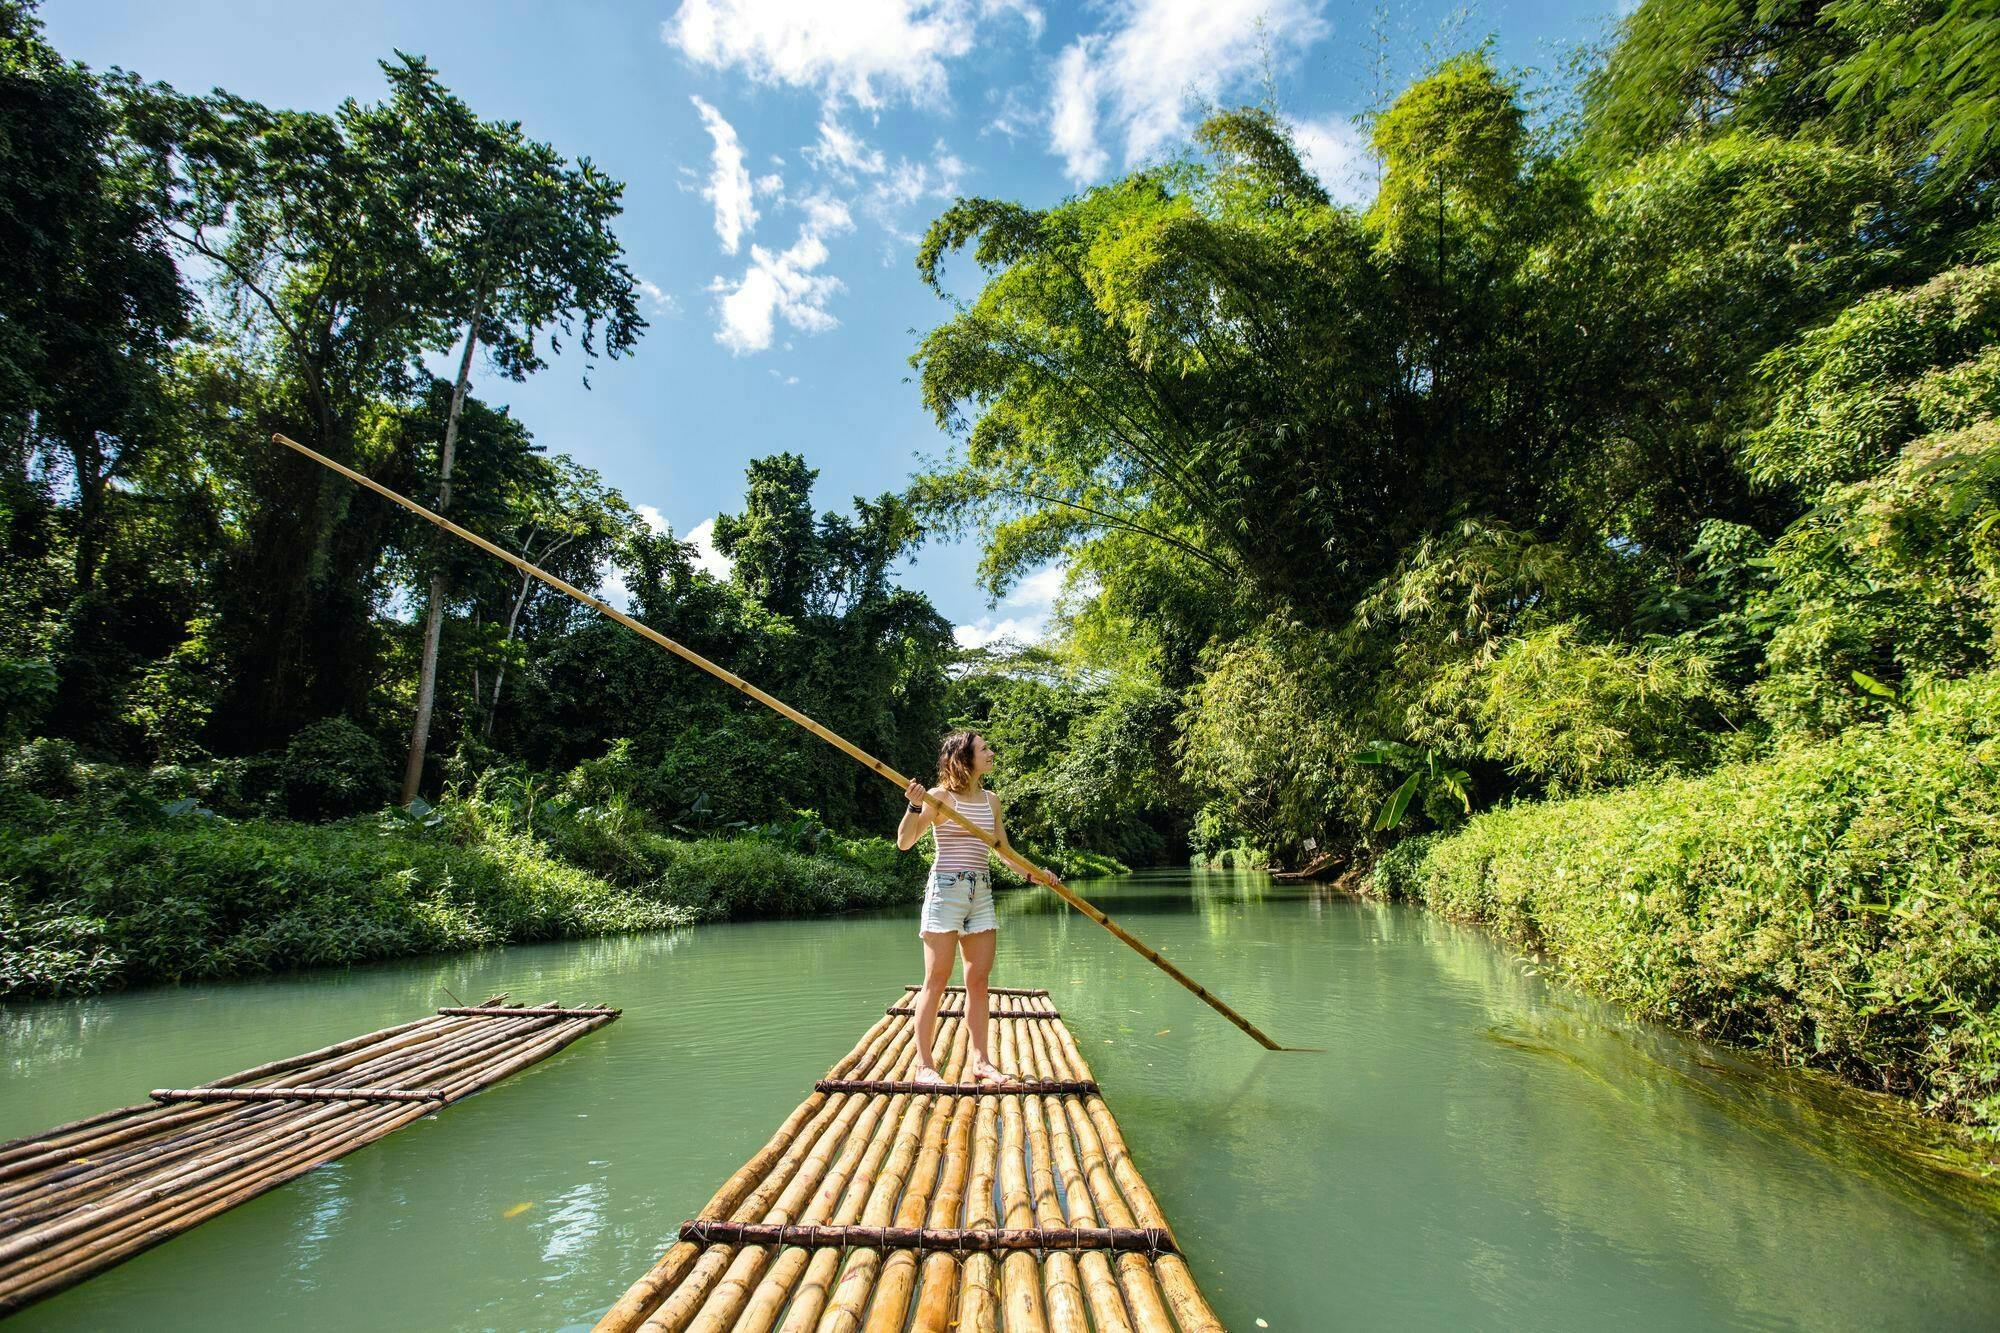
(1592, 505)
(1837, 902)
(1603, 523)
(103, 883)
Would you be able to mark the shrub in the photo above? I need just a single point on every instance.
(1270, 734)
(172, 699)
(1837, 904)
(1575, 714)
(1895, 576)
(27, 689)
(51, 949)
(92, 905)
(46, 768)
(333, 768)
(724, 879)
(1891, 367)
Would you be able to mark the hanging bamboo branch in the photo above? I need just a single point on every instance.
(839, 742)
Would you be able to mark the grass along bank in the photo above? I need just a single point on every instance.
(104, 884)
(112, 876)
(1836, 904)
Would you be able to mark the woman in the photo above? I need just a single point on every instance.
(958, 898)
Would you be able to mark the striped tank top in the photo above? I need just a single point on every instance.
(955, 848)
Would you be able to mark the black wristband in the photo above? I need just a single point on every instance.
(915, 809)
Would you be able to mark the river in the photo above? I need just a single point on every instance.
(1475, 1148)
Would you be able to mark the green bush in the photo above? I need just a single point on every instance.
(109, 876)
(92, 905)
(334, 768)
(727, 879)
(1068, 863)
(768, 870)
(1893, 366)
(51, 949)
(47, 768)
(1574, 714)
(1837, 904)
(27, 689)
(1897, 576)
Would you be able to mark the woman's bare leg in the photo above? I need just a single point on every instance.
(938, 947)
(978, 950)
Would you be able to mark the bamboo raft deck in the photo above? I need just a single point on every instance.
(880, 1206)
(83, 1196)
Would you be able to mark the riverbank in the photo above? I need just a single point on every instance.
(1835, 905)
(112, 877)
(103, 884)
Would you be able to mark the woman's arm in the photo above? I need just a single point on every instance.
(915, 821)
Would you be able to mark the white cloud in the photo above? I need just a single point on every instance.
(990, 631)
(611, 579)
(612, 587)
(864, 51)
(706, 556)
(784, 285)
(1039, 588)
(910, 181)
(1073, 119)
(1136, 78)
(1035, 596)
(702, 538)
(664, 301)
(1334, 149)
(896, 188)
(729, 188)
(842, 152)
(1017, 115)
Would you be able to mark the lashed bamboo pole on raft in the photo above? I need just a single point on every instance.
(83, 1196)
(879, 1209)
(833, 738)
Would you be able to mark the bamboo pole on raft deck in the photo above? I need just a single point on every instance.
(837, 741)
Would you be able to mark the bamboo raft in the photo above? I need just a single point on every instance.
(89, 1194)
(880, 1206)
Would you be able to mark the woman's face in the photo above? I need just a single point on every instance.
(982, 757)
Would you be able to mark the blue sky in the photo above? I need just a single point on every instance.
(781, 157)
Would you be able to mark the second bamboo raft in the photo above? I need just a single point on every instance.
(81, 1197)
(881, 1207)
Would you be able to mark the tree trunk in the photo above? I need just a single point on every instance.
(87, 459)
(500, 672)
(514, 620)
(420, 733)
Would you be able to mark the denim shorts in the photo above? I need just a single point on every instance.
(959, 901)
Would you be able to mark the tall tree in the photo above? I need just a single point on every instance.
(523, 247)
(90, 301)
(322, 277)
(772, 544)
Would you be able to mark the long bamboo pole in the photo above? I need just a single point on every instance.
(837, 741)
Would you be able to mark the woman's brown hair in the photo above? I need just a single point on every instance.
(955, 760)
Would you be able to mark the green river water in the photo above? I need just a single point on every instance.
(1476, 1148)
